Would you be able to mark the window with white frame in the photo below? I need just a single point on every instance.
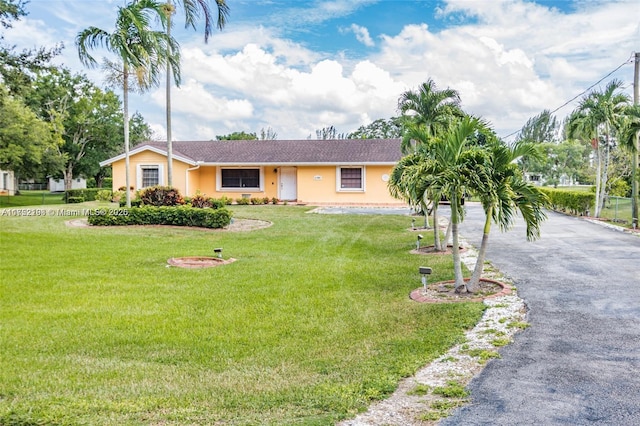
(350, 179)
(240, 178)
(149, 175)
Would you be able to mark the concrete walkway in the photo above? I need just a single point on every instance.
(579, 362)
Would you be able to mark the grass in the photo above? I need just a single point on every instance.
(310, 324)
(31, 198)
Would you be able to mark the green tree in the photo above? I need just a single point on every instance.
(26, 142)
(379, 129)
(141, 50)
(499, 183)
(429, 107)
(543, 131)
(192, 10)
(237, 136)
(11, 10)
(629, 140)
(599, 115)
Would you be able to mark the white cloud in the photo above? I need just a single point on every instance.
(362, 34)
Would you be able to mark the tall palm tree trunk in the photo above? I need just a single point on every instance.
(474, 283)
(436, 232)
(596, 212)
(635, 158)
(168, 107)
(125, 117)
(457, 266)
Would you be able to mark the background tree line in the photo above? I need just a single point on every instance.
(53, 122)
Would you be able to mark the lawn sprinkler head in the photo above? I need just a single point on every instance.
(218, 252)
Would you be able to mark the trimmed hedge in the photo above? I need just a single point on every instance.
(88, 194)
(150, 215)
(575, 202)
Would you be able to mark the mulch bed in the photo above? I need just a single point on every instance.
(194, 262)
(432, 250)
(443, 292)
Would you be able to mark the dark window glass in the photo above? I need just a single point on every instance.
(240, 178)
(150, 176)
(351, 178)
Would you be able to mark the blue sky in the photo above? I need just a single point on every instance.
(297, 66)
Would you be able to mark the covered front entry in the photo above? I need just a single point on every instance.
(288, 184)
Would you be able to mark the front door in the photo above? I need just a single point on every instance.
(288, 184)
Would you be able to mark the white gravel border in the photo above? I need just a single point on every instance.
(405, 407)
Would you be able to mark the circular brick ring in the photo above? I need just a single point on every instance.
(194, 262)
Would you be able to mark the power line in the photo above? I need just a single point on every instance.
(628, 61)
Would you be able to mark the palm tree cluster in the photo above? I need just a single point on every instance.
(449, 154)
(144, 51)
(606, 118)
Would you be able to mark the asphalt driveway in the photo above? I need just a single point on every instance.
(579, 362)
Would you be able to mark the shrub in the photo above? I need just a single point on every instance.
(164, 215)
(200, 202)
(161, 196)
(73, 200)
(275, 200)
(217, 204)
(242, 201)
(107, 183)
(256, 201)
(88, 194)
(104, 195)
(226, 200)
(266, 200)
(575, 202)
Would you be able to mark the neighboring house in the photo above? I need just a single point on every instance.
(345, 171)
(57, 185)
(7, 182)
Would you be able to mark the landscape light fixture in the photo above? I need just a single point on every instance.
(418, 241)
(413, 223)
(424, 271)
(218, 252)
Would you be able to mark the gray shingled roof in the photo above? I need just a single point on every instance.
(311, 151)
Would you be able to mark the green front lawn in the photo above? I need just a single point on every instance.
(31, 198)
(308, 326)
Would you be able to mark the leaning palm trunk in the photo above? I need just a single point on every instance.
(457, 266)
(447, 235)
(474, 283)
(437, 245)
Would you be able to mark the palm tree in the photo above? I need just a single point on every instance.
(192, 9)
(503, 192)
(457, 164)
(600, 112)
(629, 139)
(141, 50)
(426, 113)
(430, 108)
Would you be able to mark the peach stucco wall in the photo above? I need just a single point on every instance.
(315, 184)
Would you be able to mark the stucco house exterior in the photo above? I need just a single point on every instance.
(320, 172)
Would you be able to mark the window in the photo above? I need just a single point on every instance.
(240, 178)
(149, 175)
(350, 179)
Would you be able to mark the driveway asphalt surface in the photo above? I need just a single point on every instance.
(579, 361)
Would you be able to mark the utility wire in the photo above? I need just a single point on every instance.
(628, 61)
